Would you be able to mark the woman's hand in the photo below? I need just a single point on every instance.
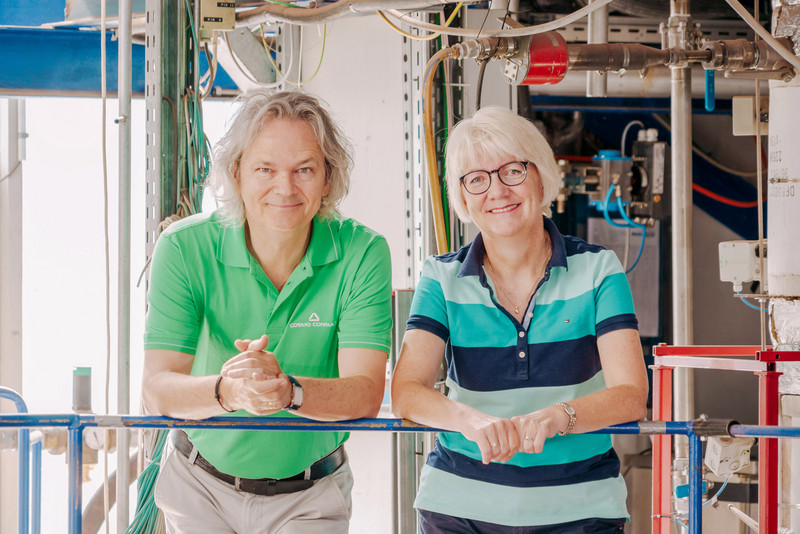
(496, 437)
(535, 427)
(253, 361)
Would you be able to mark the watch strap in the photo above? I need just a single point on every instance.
(571, 413)
(297, 394)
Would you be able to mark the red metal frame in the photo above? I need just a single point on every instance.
(662, 450)
(768, 413)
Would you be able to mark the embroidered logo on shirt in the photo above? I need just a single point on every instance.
(313, 321)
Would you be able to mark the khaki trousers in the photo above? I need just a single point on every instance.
(194, 501)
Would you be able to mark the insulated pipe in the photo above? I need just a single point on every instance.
(682, 283)
(124, 257)
(597, 82)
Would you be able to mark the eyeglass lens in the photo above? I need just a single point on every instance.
(511, 174)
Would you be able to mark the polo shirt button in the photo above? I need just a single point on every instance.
(522, 334)
(522, 354)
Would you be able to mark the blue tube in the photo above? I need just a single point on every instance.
(743, 299)
(605, 210)
(710, 90)
(641, 249)
(24, 461)
(625, 215)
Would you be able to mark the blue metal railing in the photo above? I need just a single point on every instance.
(75, 424)
(25, 471)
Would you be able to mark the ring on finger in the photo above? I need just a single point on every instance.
(528, 438)
(493, 444)
(269, 405)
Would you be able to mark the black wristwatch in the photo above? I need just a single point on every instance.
(297, 394)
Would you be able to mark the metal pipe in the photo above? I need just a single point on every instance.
(597, 82)
(75, 476)
(695, 484)
(24, 460)
(271, 13)
(682, 282)
(124, 257)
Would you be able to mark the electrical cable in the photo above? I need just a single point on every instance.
(420, 37)
(709, 159)
(299, 82)
(509, 32)
(719, 198)
(247, 75)
(440, 228)
(11, 172)
(625, 134)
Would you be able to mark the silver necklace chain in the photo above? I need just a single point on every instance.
(540, 274)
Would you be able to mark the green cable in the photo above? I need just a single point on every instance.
(147, 514)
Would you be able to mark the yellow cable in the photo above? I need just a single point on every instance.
(420, 37)
(439, 226)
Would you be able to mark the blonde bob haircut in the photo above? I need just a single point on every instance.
(258, 107)
(492, 132)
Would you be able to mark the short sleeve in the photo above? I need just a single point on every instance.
(366, 318)
(173, 320)
(428, 307)
(613, 298)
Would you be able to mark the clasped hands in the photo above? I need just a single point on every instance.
(258, 385)
(499, 438)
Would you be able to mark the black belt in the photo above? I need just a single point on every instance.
(262, 486)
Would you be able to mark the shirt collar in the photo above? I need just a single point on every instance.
(322, 249)
(473, 261)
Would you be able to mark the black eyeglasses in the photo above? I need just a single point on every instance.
(511, 174)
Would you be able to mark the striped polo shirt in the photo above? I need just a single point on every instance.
(504, 368)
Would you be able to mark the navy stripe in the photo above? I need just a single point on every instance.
(435, 523)
(600, 467)
(559, 363)
(574, 246)
(618, 322)
(433, 326)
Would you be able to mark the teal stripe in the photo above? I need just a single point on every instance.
(558, 449)
(450, 494)
(614, 297)
(429, 301)
(470, 326)
(584, 272)
(563, 320)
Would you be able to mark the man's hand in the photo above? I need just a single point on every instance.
(253, 362)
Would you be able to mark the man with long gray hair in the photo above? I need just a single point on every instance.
(274, 304)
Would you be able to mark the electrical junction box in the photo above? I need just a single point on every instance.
(739, 262)
(725, 455)
(216, 15)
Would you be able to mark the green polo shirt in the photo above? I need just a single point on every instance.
(206, 291)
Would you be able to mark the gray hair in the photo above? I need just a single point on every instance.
(494, 131)
(256, 108)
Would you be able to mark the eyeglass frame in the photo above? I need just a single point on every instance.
(497, 172)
